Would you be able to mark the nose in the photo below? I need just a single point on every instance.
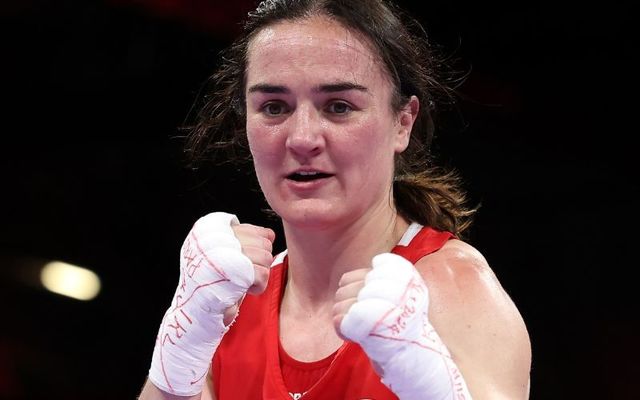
(306, 133)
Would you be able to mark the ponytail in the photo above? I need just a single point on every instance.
(433, 197)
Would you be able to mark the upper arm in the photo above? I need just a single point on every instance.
(478, 322)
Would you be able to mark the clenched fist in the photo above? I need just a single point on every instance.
(256, 244)
(385, 309)
(220, 261)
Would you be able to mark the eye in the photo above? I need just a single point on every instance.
(339, 107)
(274, 108)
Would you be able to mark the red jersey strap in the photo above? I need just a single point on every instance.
(426, 241)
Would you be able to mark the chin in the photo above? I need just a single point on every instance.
(310, 215)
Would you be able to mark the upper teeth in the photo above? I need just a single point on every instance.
(307, 173)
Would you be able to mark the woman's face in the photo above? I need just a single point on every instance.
(319, 122)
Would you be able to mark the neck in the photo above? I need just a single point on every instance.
(319, 258)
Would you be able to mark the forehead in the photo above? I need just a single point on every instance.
(315, 44)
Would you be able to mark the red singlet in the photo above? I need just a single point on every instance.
(247, 364)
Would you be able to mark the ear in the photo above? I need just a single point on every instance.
(406, 118)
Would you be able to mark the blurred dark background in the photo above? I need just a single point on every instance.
(93, 174)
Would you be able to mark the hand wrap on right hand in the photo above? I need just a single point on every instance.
(214, 275)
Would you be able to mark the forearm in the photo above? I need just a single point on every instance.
(214, 275)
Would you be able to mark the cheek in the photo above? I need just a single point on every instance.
(253, 136)
(373, 143)
(266, 152)
(261, 141)
(255, 147)
(374, 154)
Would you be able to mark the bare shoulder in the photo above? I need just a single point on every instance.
(478, 321)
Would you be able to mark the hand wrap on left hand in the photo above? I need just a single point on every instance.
(390, 321)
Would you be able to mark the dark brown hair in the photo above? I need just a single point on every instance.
(423, 192)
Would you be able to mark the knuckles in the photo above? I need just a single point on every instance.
(349, 291)
(260, 281)
(257, 245)
(254, 236)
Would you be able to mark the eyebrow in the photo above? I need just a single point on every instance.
(325, 88)
(265, 88)
(340, 87)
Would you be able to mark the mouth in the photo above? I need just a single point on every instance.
(307, 176)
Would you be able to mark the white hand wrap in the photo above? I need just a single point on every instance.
(390, 322)
(214, 275)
